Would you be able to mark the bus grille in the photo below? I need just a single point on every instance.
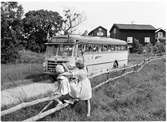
(51, 66)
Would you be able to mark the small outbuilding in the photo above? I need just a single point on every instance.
(160, 35)
(99, 31)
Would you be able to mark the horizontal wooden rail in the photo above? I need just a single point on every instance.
(27, 104)
(46, 113)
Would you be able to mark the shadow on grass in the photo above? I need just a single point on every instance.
(41, 77)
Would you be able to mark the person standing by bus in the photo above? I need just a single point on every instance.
(81, 90)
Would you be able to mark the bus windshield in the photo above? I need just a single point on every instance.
(59, 50)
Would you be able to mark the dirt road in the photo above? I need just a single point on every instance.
(26, 92)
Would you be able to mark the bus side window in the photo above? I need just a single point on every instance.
(99, 48)
(80, 49)
(104, 48)
(112, 47)
(95, 48)
(122, 47)
(119, 47)
(126, 47)
(109, 48)
(116, 48)
(89, 48)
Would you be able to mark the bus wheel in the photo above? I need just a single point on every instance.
(115, 65)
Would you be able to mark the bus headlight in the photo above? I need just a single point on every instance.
(44, 64)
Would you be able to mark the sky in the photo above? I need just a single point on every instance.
(105, 13)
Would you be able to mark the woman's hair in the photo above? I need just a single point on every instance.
(79, 64)
(60, 69)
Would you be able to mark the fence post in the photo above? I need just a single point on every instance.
(107, 74)
(123, 71)
(136, 68)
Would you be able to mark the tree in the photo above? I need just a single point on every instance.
(85, 33)
(11, 31)
(72, 19)
(38, 25)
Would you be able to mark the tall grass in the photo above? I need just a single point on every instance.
(13, 75)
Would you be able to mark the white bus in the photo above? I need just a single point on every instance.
(98, 53)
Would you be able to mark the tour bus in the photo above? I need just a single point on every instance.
(98, 53)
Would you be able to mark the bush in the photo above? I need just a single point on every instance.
(148, 48)
(137, 47)
(9, 53)
(160, 47)
(27, 56)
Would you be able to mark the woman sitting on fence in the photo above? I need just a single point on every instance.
(80, 89)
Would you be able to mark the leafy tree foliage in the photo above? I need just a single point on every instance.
(38, 25)
(85, 33)
(11, 30)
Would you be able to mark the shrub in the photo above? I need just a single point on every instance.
(148, 48)
(9, 54)
(137, 47)
(160, 47)
(27, 56)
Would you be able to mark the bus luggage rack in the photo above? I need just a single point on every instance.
(51, 66)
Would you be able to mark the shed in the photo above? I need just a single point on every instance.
(99, 31)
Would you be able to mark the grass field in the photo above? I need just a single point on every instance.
(139, 96)
(13, 75)
(29, 67)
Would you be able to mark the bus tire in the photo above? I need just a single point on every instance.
(115, 65)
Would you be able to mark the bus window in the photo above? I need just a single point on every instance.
(95, 48)
(104, 48)
(116, 48)
(109, 48)
(80, 50)
(112, 48)
(51, 50)
(89, 48)
(65, 50)
(119, 47)
(123, 47)
(86, 48)
(99, 48)
(126, 47)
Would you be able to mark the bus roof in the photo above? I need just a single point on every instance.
(85, 39)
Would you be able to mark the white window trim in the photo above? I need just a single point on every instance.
(147, 39)
(130, 39)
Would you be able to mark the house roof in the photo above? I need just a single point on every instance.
(133, 27)
(160, 29)
(97, 28)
